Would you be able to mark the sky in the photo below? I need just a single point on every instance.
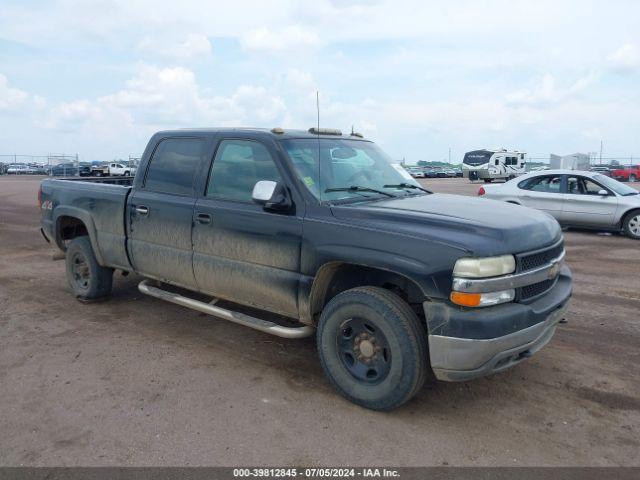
(98, 77)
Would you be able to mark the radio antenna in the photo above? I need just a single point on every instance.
(318, 107)
(318, 140)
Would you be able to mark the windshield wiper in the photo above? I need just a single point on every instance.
(407, 185)
(357, 188)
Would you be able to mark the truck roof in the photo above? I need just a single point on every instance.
(276, 133)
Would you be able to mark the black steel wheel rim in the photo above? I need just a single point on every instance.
(80, 272)
(364, 350)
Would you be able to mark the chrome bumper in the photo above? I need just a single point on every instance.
(456, 359)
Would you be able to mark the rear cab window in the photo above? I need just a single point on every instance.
(174, 164)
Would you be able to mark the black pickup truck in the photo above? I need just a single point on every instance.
(303, 232)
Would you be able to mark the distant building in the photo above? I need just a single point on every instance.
(575, 161)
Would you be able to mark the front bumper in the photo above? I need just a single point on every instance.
(470, 343)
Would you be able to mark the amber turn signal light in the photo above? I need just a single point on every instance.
(466, 299)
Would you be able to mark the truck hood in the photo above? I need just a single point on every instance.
(478, 226)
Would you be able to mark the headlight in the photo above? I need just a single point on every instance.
(484, 267)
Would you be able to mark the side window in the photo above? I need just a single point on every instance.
(174, 164)
(497, 161)
(582, 186)
(548, 184)
(237, 167)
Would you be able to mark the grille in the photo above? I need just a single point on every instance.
(532, 261)
(536, 289)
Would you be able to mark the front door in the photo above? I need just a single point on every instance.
(242, 252)
(584, 206)
(161, 212)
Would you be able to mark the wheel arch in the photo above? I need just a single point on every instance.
(624, 216)
(69, 223)
(337, 276)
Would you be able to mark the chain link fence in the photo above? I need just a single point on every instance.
(67, 165)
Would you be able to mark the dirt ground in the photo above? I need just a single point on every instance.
(135, 381)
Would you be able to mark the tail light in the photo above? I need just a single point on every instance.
(481, 191)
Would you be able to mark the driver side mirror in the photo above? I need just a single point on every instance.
(603, 193)
(271, 195)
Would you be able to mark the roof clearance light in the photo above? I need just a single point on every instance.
(324, 131)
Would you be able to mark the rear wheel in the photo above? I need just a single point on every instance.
(632, 178)
(631, 224)
(372, 347)
(86, 277)
(488, 180)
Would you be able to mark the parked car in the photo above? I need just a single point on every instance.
(322, 229)
(627, 173)
(601, 169)
(417, 173)
(112, 169)
(430, 173)
(449, 172)
(575, 198)
(65, 170)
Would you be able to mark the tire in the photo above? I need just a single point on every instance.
(488, 180)
(126, 174)
(631, 224)
(87, 279)
(398, 353)
(632, 178)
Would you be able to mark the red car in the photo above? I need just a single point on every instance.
(627, 173)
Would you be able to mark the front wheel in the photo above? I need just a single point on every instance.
(372, 347)
(87, 278)
(631, 225)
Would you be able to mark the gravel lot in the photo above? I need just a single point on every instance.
(134, 381)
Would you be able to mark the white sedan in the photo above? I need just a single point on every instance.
(575, 198)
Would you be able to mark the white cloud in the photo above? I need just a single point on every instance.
(546, 90)
(194, 46)
(288, 39)
(10, 98)
(167, 98)
(626, 58)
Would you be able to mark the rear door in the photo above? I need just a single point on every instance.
(543, 193)
(161, 211)
(242, 252)
(584, 206)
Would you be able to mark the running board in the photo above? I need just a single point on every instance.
(235, 317)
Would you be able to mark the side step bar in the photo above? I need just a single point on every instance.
(236, 317)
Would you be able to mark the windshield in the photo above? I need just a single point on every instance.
(347, 169)
(616, 186)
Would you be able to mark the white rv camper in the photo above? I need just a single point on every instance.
(489, 165)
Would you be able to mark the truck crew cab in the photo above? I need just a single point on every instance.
(321, 233)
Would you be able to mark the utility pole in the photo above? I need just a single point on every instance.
(449, 155)
(600, 153)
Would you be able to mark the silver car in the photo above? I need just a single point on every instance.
(575, 198)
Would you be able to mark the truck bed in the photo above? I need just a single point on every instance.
(99, 203)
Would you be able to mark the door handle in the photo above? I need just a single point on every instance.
(142, 210)
(203, 218)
